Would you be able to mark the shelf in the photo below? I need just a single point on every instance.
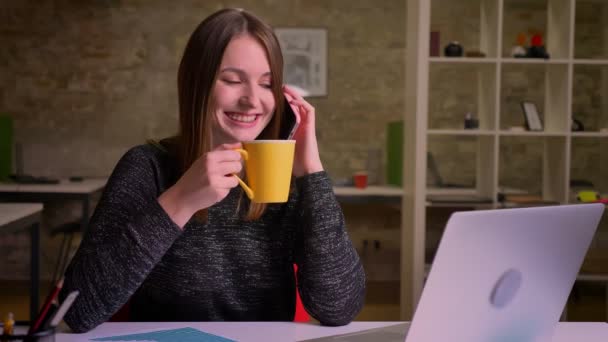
(546, 85)
(374, 190)
(465, 132)
(588, 161)
(462, 60)
(590, 31)
(459, 88)
(590, 61)
(533, 61)
(451, 191)
(469, 205)
(551, 18)
(441, 90)
(536, 163)
(590, 134)
(589, 103)
(532, 134)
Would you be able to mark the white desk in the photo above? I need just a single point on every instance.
(371, 194)
(288, 331)
(437, 197)
(65, 190)
(17, 216)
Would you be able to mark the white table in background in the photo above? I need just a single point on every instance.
(392, 195)
(82, 191)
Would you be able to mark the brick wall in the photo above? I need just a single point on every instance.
(93, 78)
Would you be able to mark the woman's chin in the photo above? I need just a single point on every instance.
(243, 137)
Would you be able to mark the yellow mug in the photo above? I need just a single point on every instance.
(268, 165)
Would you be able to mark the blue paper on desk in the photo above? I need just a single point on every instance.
(183, 335)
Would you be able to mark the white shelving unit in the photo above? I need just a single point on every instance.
(490, 74)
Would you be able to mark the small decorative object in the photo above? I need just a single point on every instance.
(475, 53)
(434, 44)
(470, 122)
(360, 179)
(519, 50)
(533, 122)
(577, 125)
(453, 49)
(537, 49)
(587, 196)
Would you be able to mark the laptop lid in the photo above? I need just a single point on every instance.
(504, 275)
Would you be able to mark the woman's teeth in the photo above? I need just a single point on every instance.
(242, 118)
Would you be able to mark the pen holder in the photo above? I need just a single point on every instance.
(20, 334)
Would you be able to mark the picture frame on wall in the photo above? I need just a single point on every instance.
(305, 59)
(533, 121)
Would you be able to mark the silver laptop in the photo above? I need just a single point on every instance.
(498, 275)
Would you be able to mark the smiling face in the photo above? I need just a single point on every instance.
(243, 102)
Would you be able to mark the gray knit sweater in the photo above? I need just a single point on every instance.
(226, 269)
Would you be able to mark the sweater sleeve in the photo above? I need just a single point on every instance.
(127, 236)
(331, 279)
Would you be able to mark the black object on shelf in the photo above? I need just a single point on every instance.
(537, 48)
(537, 52)
(581, 183)
(453, 49)
(470, 122)
(577, 125)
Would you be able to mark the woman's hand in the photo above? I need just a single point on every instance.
(205, 183)
(306, 160)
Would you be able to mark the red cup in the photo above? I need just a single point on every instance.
(360, 180)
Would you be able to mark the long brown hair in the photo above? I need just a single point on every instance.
(198, 71)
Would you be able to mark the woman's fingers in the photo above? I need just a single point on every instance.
(229, 167)
(232, 146)
(307, 109)
(225, 156)
(228, 182)
(291, 92)
(303, 103)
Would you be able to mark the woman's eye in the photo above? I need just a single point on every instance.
(232, 81)
(266, 85)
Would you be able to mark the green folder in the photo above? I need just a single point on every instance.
(394, 157)
(6, 146)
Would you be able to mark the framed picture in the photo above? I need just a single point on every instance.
(305, 57)
(533, 122)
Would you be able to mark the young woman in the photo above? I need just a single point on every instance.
(174, 235)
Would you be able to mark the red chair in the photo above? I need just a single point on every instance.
(300, 316)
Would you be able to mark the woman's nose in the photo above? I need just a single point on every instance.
(250, 97)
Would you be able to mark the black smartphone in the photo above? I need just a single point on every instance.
(289, 122)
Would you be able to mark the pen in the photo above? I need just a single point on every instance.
(45, 308)
(44, 324)
(63, 308)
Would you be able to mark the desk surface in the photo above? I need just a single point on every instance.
(64, 186)
(287, 331)
(11, 212)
